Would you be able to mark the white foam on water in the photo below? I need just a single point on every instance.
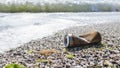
(19, 28)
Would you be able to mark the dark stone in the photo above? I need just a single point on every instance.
(68, 66)
(113, 62)
(105, 56)
(94, 67)
(58, 66)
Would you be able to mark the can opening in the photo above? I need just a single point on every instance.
(66, 40)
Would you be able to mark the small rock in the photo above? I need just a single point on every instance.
(68, 66)
(78, 66)
(113, 62)
(106, 63)
(105, 56)
(58, 66)
(110, 44)
(114, 52)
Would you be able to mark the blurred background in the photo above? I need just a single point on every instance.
(59, 5)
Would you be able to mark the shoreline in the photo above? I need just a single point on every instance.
(110, 33)
(38, 25)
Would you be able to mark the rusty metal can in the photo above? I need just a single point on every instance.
(71, 40)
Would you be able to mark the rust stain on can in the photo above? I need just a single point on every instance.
(71, 40)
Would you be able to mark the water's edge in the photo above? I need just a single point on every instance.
(19, 28)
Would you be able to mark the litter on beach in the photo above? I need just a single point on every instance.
(71, 40)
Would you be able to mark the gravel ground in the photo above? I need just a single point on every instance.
(104, 55)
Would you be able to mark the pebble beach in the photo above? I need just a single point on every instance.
(104, 55)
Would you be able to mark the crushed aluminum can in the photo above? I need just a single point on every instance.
(71, 40)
